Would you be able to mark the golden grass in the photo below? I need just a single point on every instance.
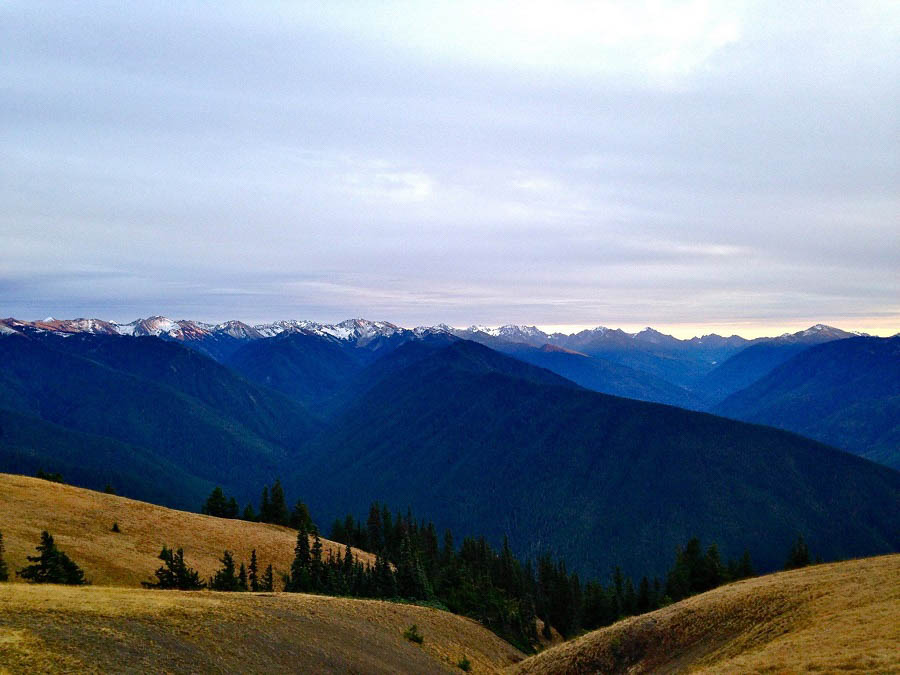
(80, 521)
(115, 626)
(841, 617)
(106, 629)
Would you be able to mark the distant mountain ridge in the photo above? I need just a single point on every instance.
(697, 373)
(361, 330)
(845, 393)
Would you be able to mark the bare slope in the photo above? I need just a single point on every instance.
(102, 629)
(837, 617)
(80, 521)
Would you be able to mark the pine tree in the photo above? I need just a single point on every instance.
(216, 504)
(249, 514)
(316, 569)
(373, 529)
(712, 573)
(174, 573)
(300, 578)
(644, 603)
(231, 508)
(225, 579)
(300, 515)
(253, 572)
(4, 570)
(799, 555)
(279, 511)
(52, 566)
(242, 579)
(265, 507)
(268, 581)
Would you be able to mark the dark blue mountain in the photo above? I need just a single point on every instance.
(484, 443)
(845, 393)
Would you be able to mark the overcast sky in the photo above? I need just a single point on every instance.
(694, 166)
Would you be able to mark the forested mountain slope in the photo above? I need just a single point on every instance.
(483, 443)
(845, 393)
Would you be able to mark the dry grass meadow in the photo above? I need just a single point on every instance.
(81, 522)
(835, 618)
(104, 629)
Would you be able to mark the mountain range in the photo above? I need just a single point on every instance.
(478, 439)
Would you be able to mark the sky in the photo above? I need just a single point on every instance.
(696, 166)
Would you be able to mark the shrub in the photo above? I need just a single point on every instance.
(413, 635)
(464, 665)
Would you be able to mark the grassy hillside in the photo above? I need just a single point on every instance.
(839, 617)
(97, 629)
(80, 522)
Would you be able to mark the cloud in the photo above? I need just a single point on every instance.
(570, 163)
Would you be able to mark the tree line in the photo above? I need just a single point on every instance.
(273, 508)
(491, 585)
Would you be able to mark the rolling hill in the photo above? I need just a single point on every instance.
(486, 444)
(80, 521)
(842, 617)
(845, 393)
(114, 625)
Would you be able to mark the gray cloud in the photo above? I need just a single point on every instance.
(700, 163)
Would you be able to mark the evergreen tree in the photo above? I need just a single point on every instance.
(225, 579)
(249, 514)
(373, 529)
(300, 577)
(279, 511)
(4, 570)
(268, 581)
(644, 603)
(300, 515)
(798, 556)
(316, 569)
(242, 579)
(216, 504)
(109, 489)
(712, 572)
(174, 573)
(231, 508)
(265, 507)
(253, 571)
(51, 566)
(115, 527)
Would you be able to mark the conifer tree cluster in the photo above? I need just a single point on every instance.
(273, 508)
(245, 579)
(220, 506)
(174, 573)
(493, 586)
(51, 566)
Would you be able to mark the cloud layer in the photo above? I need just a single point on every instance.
(552, 163)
